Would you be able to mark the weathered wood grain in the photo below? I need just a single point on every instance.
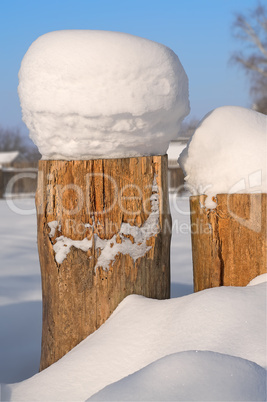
(229, 242)
(93, 199)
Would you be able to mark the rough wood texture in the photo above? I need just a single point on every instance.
(229, 242)
(96, 199)
(1, 183)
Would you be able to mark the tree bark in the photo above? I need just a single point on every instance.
(103, 233)
(228, 242)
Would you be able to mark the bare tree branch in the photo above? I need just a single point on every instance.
(252, 63)
(251, 31)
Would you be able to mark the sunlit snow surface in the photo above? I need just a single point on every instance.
(227, 153)
(96, 94)
(227, 320)
(190, 376)
(153, 341)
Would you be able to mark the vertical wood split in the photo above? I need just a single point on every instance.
(228, 242)
(106, 195)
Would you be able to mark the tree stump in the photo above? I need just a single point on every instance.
(103, 234)
(228, 242)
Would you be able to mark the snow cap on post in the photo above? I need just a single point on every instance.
(227, 153)
(96, 94)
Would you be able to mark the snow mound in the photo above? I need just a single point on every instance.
(97, 94)
(227, 153)
(227, 320)
(191, 376)
(259, 279)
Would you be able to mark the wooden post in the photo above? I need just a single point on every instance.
(1, 183)
(228, 242)
(103, 233)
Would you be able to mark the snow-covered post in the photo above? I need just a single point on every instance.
(102, 108)
(225, 163)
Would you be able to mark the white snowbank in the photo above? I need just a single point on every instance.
(227, 320)
(259, 279)
(95, 94)
(191, 376)
(227, 153)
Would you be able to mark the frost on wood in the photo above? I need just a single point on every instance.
(63, 245)
(95, 94)
(53, 226)
(135, 246)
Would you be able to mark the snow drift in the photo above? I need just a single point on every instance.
(191, 376)
(226, 320)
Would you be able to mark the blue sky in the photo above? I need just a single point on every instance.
(198, 31)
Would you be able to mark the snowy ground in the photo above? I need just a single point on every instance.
(20, 283)
(149, 350)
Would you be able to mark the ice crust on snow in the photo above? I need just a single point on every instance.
(227, 153)
(141, 331)
(96, 94)
(110, 247)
